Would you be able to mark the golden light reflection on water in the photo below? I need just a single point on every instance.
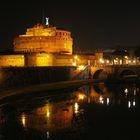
(134, 92)
(80, 95)
(107, 101)
(47, 110)
(23, 119)
(76, 108)
(134, 103)
(48, 114)
(129, 104)
(51, 116)
(92, 96)
(59, 115)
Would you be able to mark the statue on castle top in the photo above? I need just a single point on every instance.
(47, 21)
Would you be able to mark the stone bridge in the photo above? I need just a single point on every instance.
(103, 71)
(118, 70)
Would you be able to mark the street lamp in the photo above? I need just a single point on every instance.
(101, 61)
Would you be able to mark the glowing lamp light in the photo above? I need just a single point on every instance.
(126, 91)
(134, 61)
(107, 61)
(120, 61)
(101, 99)
(74, 64)
(115, 61)
(126, 57)
(81, 67)
(75, 57)
(101, 60)
(81, 96)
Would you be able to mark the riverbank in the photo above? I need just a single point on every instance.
(35, 89)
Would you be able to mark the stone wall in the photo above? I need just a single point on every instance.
(20, 76)
(12, 60)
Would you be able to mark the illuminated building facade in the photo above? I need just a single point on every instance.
(12, 60)
(44, 45)
(42, 38)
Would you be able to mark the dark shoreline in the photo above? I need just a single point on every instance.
(41, 88)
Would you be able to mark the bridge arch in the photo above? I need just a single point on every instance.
(100, 74)
(127, 73)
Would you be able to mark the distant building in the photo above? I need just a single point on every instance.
(120, 56)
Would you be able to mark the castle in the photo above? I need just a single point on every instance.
(44, 45)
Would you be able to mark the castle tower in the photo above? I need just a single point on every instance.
(44, 38)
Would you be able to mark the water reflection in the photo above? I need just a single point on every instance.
(107, 101)
(129, 104)
(86, 104)
(10, 127)
(23, 119)
(76, 107)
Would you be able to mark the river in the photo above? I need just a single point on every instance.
(88, 112)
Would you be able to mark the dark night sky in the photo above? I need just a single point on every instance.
(93, 25)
